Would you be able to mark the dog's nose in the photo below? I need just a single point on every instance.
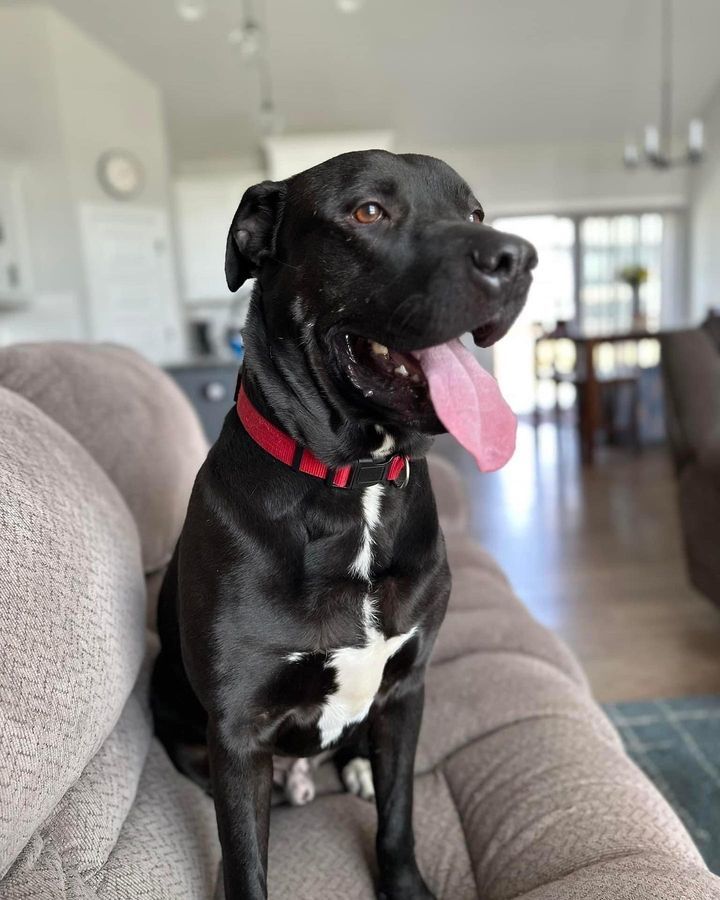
(498, 258)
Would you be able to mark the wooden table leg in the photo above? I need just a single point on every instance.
(589, 407)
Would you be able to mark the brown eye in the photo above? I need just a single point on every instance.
(368, 213)
(476, 216)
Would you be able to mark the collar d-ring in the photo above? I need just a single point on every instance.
(404, 477)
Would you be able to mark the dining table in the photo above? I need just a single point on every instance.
(590, 386)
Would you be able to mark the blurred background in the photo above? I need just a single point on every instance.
(129, 131)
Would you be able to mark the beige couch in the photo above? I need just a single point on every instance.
(691, 370)
(522, 787)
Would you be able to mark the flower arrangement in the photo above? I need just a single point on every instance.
(633, 275)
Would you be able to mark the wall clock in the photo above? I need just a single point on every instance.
(121, 174)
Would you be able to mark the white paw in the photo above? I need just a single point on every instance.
(299, 784)
(357, 778)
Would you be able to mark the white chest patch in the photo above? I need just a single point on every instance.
(358, 673)
(359, 670)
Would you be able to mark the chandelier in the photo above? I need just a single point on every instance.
(657, 144)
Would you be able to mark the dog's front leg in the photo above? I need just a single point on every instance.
(393, 735)
(242, 782)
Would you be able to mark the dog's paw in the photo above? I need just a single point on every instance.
(357, 778)
(299, 784)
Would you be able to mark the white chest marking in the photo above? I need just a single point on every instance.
(359, 670)
(387, 445)
(358, 673)
(371, 499)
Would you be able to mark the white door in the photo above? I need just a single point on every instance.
(132, 294)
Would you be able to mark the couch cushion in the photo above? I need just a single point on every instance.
(327, 849)
(131, 827)
(522, 786)
(72, 602)
(132, 419)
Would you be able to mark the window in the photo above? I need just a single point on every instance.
(608, 244)
(551, 300)
(553, 295)
(578, 280)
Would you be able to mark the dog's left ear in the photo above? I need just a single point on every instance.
(252, 234)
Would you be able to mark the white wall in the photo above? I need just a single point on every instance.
(105, 104)
(705, 219)
(517, 179)
(71, 100)
(31, 138)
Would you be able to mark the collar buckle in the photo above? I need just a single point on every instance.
(368, 471)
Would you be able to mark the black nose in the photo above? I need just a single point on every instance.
(498, 258)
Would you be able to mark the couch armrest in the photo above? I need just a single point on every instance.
(552, 808)
(699, 500)
(691, 372)
(549, 804)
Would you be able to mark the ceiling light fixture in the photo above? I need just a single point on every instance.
(657, 144)
(349, 6)
(191, 10)
(250, 38)
(246, 38)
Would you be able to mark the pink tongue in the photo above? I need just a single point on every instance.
(468, 402)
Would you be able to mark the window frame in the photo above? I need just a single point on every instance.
(680, 250)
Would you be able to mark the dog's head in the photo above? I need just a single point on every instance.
(368, 258)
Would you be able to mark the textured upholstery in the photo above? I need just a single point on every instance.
(89, 804)
(130, 417)
(522, 787)
(691, 370)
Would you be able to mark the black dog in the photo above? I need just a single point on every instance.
(310, 580)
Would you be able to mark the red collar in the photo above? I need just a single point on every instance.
(362, 473)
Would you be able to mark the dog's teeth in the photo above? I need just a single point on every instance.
(415, 378)
(401, 370)
(379, 349)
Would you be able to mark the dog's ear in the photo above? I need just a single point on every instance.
(252, 234)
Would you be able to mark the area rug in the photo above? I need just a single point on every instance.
(677, 744)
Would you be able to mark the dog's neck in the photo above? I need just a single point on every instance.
(281, 383)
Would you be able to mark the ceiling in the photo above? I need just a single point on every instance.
(441, 72)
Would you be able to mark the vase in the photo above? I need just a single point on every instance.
(638, 316)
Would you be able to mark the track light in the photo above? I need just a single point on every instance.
(191, 10)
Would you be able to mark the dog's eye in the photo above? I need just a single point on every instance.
(476, 215)
(369, 213)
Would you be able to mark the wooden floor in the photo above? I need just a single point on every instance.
(596, 555)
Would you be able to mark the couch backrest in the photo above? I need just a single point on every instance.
(131, 418)
(72, 610)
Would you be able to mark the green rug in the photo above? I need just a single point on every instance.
(677, 744)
